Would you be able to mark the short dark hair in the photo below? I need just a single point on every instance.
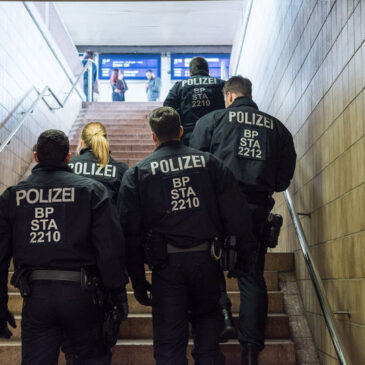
(52, 145)
(165, 122)
(198, 64)
(150, 71)
(238, 85)
(89, 54)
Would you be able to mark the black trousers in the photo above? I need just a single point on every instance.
(254, 303)
(190, 282)
(60, 314)
(253, 292)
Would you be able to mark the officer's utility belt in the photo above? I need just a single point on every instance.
(205, 246)
(22, 278)
(74, 276)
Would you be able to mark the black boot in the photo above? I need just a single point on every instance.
(250, 354)
(228, 330)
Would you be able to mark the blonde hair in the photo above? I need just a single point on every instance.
(94, 136)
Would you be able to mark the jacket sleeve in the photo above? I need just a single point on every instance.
(201, 137)
(130, 209)
(287, 160)
(6, 250)
(108, 240)
(156, 85)
(233, 206)
(173, 98)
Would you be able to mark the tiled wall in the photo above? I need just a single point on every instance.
(26, 62)
(306, 59)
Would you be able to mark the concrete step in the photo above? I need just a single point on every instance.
(120, 141)
(275, 302)
(274, 261)
(125, 147)
(271, 279)
(140, 352)
(139, 326)
(117, 126)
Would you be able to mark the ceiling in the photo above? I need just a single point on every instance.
(151, 23)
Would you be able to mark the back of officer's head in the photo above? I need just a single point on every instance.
(198, 65)
(238, 85)
(94, 136)
(52, 145)
(165, 123)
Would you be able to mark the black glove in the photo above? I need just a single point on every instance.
(5, 318)
(120, 301)
(141, 293)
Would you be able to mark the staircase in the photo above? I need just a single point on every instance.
(130, 140)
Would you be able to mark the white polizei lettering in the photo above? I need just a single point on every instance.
(196, 161)
(164, 166)
(172, 168)
(85, 172)
(114, 172)
(58, 192)
(36, 196)
(78, 168)
(68, 194)
(181, 163)
(99, 171)
(52, 195)
(231, 115)
(203, 161)
(258, 120)
(187, 161)
(154, 166)
(108, 170)
(268, 123)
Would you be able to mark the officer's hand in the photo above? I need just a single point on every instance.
(141, 293)
(119, 299)
(5, 318)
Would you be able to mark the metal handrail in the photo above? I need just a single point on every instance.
(317, 282)
(41, 96)
(88, 64)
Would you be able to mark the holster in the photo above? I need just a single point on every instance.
(155, 248)
(90, 280)
(228, 260)
(111, 318)
(20, 280)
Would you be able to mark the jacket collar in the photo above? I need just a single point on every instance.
(169, 143)
(50, 165)
(244, 101)
(201, 73)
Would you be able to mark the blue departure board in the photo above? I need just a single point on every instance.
(133, 66)
(180, 64)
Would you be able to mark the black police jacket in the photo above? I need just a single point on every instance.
(257, 147)
(55, 219)
(183, 194)
(111, 175)
(194, 97)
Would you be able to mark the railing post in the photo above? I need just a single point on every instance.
(90, 82)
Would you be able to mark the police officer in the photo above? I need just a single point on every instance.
(173, 203)
(260, 152)
(196, 96)
(94, 159)
(58, 226)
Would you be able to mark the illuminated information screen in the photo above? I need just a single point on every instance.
(180, 64)
(133, 66)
